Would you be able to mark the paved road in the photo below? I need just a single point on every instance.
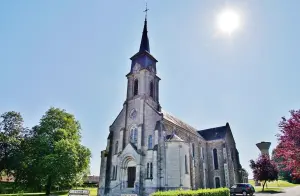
(294, 191)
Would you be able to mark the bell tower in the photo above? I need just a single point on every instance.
(142, 79)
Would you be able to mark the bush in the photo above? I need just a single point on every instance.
(6, 187)
(1, 189)
(200, 192)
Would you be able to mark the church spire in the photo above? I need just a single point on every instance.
(143, 57)
(145, 41)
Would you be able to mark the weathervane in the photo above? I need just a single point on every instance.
(146, 11)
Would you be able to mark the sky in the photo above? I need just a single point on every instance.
(74, 55)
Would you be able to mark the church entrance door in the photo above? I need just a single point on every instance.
(131, 177)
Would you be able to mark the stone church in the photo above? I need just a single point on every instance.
(149, 149)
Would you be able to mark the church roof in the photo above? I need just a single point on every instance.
(143, 56)
(144, 46)
(214, 133)
(178, 122)
(145, 41)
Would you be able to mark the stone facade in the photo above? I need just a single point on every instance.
(148, 149)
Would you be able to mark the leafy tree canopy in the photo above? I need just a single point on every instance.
(264, 169)
(53, 155)
(11, 134)
(288, 149)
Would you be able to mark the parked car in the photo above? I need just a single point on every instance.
(242, 188)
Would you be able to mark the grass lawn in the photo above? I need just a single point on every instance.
(279, 183)
(269, 190)
(93, 192)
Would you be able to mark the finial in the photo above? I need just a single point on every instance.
(146, 11)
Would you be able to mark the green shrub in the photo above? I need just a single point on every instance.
(1, 189)
(200, 192)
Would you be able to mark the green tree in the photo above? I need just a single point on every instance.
(53, 155)
(11, 135)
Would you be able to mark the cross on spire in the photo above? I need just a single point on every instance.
(145, 41)
(146, 11)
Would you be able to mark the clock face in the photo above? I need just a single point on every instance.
(133, 113)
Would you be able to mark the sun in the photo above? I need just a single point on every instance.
(228, 21)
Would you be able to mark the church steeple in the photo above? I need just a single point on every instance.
(143, 57)
(145, 41)
(142, 78)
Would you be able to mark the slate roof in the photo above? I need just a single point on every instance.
(178, 122)
(208, 134)
(214, 133)
(145, 41)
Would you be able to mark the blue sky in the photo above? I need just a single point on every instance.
(75, 54)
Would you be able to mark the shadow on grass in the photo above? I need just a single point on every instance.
(271, 191)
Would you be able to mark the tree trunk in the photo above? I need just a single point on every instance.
(48, 186)
(264, 186)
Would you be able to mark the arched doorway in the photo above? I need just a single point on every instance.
(217, 182)
(129, 172)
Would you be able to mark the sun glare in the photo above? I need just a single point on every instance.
(228, 21)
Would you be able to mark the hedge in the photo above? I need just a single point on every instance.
(200, 192)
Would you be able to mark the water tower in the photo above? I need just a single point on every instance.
(264, 147)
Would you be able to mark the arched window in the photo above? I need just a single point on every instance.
(186, 164)
(150, 142)
(217, 182)
(215, 156)
(151, 170)
(193, 149)
(151, 89)
(117, 145)
(133, 135)
(135, 87)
